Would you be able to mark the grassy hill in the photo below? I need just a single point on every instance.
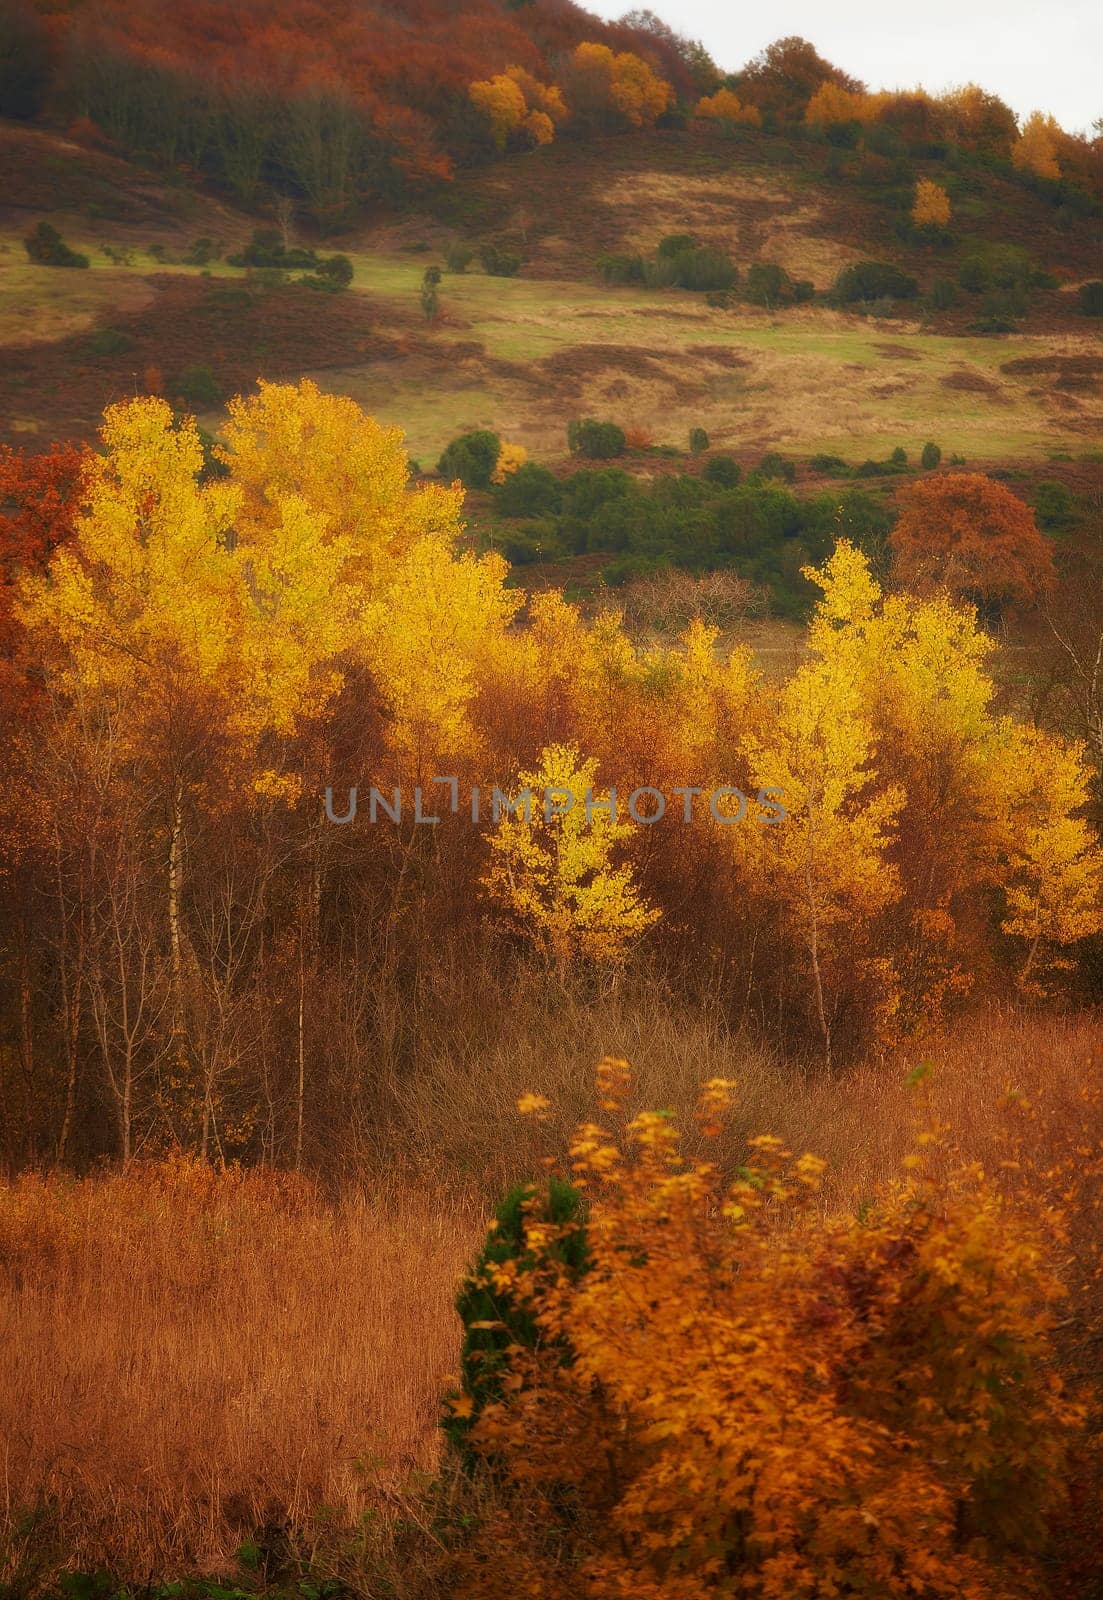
(524, 354)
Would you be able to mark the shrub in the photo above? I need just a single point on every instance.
(108, 342)
(337, 270)
(267, 249)
(899, 457)
(767, 284)
(534, 542)
(656, 1418)
(599, 441)
(1090, 296)
(199, 387)
(690, 267)
(494, 1318)
(45, 246)
(931, 457)
(676, 244)
(802, 290)
(620, 269)
(831, 466)
(698, 440)
(724, 471)
(200, 252)
(499, 263)
(774, 465)
(1054, 504)
(943, 295)
(873, 280)
(531, 491)
(471, 457)
(458, 257)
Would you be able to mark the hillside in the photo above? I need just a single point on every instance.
(523, 354)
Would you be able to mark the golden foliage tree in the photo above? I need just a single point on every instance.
(552, 868)
(833, 104)
(623, 83)
(515, 102)
(726, 108)
(1036, 148)
(932, 205)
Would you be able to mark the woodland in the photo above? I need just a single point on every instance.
(685, 1181)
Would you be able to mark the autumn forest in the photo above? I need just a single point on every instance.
(551, 815)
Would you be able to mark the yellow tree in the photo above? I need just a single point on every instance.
(1036, 148)
(990, 804)
(348, 469)
(726, 108)
(832, 104)
(552, 869)
(826, 865)
(932, 205)
(514, 101)
(430, 637)
(624, 83)
(1044, 854)
(180, 649)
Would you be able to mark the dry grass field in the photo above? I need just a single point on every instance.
(195, 1359)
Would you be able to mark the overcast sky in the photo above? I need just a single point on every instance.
(1035, 56)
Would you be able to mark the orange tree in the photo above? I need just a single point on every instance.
(738, 1396)
(968, 534)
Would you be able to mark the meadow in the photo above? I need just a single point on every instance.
(239, 1372)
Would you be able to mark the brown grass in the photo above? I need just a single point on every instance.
(190, 1355)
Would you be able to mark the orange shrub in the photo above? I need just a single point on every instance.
(740, 1396)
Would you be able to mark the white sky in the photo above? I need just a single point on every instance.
(1046, 57)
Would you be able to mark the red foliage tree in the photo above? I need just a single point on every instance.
(969, 534)
(39, 498)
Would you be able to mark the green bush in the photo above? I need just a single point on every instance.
(873, 280)
(775, 465)
(830, 466)
(620, 269)
(267, 249)
(943, 295)
(471, 457)
(336, 269)
(45, 246)
(698, 440)
(598, 441)
(493, 1320)
(499, 263)
(200, 252)
(1054, 504)
(199, 387)
(108, 342)
(767, 284)
(899, 457)
(531, 491)
(931, 457)
(1090, 296)
(458, 257)
(723, 471)
(681, 264)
